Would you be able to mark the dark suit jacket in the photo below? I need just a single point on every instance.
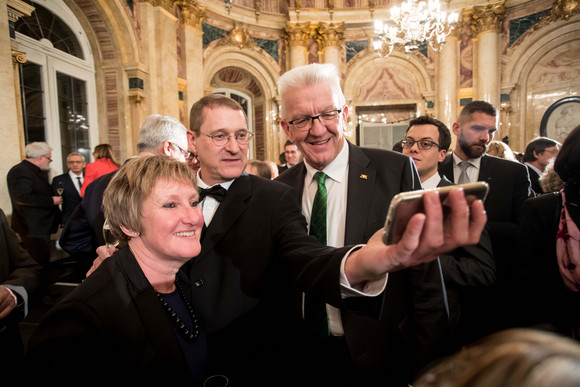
(385, 350)
(254, 254)
(70, 197)
(469, 271)
(114, 320)
(535, 180)
(83, 232)
(33, 210)
(541, 299)
(20, 273)
(509, 187)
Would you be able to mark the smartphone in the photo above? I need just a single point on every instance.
(406, 204)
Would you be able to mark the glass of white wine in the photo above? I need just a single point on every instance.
(108, 236)
(60, 188)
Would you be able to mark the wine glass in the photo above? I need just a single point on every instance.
(110, 240)
(60, 188)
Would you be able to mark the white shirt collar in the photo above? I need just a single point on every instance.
(336, 170)
(74, 175)
(475, 162)
(431, 182)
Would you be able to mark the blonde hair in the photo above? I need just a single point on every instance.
(500, 149)
(131, 186)
(514, 357)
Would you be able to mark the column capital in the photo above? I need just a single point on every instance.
(190, 13)
(330, 34)
(489, 17)
(297, 34)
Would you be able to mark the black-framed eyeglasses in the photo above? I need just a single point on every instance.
(183, 151)
(221, 139)
(422, 144)
(326, 118)
(46, 157)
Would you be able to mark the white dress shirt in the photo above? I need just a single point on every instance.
(73, 177)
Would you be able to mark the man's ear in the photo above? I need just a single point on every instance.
(442, 154)
(191, 142)
(455, 128)
(166, 148)
(286, 128)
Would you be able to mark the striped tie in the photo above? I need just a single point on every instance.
(318, 216)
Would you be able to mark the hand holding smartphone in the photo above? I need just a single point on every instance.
(406, 204)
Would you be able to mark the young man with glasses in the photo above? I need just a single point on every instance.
(35, 212)
(465, 270)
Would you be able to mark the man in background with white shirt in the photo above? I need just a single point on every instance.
(466, 269)
(70, 183)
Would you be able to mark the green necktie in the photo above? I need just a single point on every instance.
(314, 308)
(318, 216)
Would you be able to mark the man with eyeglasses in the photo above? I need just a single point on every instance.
(537, 156)
(359, 185)
(467, 269)
(35, 212)
(292, 155)
(509, 187)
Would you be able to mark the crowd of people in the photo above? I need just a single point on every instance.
(219, 270)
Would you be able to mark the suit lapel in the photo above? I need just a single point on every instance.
(446, 168)
(229, 210)
(361, 185)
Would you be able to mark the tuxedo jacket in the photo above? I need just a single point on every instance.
(33, 210)
(255, 255)
(70, 197)
(509, 187)
(389, 349)
(113, 321)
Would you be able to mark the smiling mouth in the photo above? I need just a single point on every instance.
(321, 142)
(185, 234)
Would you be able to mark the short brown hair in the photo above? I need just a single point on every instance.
(131, 186)
(196, 115)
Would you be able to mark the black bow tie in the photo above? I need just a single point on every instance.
(217, 192)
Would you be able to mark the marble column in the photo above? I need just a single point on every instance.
(487, 21)
(297, 36)
(447, 93)
(159, 56)
(191, 17)
(330, 41)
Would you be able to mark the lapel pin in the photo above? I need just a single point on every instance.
(363, 176)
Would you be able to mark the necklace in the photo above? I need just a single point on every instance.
(180, 325)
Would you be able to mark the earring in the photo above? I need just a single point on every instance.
(136, 234)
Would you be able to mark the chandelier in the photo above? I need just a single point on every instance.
(415, 23)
